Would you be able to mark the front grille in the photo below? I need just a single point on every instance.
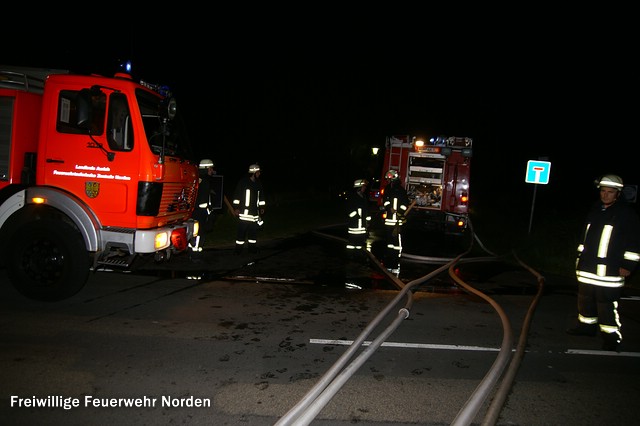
(177, 198)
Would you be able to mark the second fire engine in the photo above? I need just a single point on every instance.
(436, 174)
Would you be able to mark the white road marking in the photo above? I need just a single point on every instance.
(465, 348)
(405, 345)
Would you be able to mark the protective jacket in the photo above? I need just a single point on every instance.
(358, 218)
(203, 200)
(611, 241)
(396, 203)
(249, 199)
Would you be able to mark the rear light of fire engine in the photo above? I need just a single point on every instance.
(464, 198)
(420, 146)
(460, 223)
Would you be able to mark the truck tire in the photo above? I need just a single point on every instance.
(49, 261)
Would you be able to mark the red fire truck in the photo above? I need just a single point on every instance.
(435, 173)
(94, 171)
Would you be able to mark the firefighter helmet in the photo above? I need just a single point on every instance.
(254, 168)
(359, 183)
(205, 163)
(391, 175)
(611, 181)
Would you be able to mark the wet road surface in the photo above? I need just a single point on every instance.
(252, 334)
(320, 258)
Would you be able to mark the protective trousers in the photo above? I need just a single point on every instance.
(599, 305)
(394, 244)
(247, 231)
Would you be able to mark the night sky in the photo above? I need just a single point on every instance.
(310, 109)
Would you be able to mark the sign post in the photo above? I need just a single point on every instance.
(537, 173)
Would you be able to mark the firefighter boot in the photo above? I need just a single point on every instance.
(610, 342)
(583, 330)
(238, 249)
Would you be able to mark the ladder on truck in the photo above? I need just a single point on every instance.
(396, 146)
(26, 78)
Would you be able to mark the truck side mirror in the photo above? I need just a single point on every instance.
(168, 108)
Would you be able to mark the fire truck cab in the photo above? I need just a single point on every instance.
(435, 174)
(94, 171)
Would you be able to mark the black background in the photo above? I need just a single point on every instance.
(308, 98)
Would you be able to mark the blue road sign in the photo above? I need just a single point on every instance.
(538, 172)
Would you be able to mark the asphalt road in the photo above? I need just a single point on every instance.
(249, 337)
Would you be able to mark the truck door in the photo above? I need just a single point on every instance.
(90, 152)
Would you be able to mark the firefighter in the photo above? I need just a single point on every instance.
(608, 253)
(249, 203)
(358, 218)
(203, 211)
(395, 203)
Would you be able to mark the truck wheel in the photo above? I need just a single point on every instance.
(49, 261)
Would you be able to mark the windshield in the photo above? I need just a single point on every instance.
(172, 133)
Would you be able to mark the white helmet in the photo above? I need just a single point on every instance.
(358, 183)
(611, 181)
(254, 168)
(205, 163)
(391, 175)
